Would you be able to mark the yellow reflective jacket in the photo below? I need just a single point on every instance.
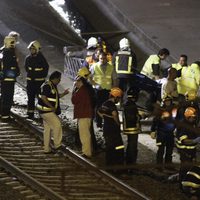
(103, 78)
(189, 79)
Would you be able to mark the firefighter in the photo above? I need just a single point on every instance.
(131, 126)
(49, 108)
(37, 68)
(125, 62)
(114, 146)
(92, 45)
(151, 67)
(191, 183)
(163, 126)
(103, 79)
(10, 71)
(186, 142)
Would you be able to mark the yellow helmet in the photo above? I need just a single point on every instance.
(116, 92)
(190, 95)
(9, 42)
(83, 72)
(35, 44)
(190, 112)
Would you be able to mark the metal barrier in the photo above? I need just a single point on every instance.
(71, 66)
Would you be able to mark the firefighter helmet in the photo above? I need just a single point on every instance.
(92, 42)
(116, 92)
(124, 43)
(35, 44)
(83, 72)
(190, 95)
(9, 42)
(15, 35)
(190, 112)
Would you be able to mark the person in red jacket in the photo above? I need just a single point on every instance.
(83, 112)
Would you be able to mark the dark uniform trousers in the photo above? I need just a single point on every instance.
(132, 149)
(102, 96)
(33, 88)
(7, 93)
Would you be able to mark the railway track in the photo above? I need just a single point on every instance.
(63, 175)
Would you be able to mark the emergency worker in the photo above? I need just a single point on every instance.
(190, 78)
(191, 183)
(10, 71)
(163, 129)
(169, 87)
(191, 100)
(131, 126)
(90, 58)
(86, 74)
(111, 128)
(37, 68)
(103, 79)
(151, 67)
(49, 108)
(186, 142)
(83, 112)
(181, 63)
(125, 62)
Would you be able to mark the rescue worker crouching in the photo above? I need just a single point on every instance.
(37, 68)
(131, 126)
(163, 125)
(151, 67)
(10, 71)
(114, 147)
(49, 108)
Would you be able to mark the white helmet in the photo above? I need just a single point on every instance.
(9, 42)
(35, 44)
(15, 35)
(92, 42)
(124, 43)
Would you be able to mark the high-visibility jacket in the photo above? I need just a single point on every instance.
(9, 65)
(177, 66)
(36, 67)
(103, 78)
(124, 62)
(49, 90)
(148, 65)
(190, 79)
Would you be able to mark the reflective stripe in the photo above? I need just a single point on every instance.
(49, 99)
(35, 79)
(35, 69)
(159, 143)
(194, 174)
(5, 117)
(9, 79)
(190, 184)
(180, 146)
(13, 68)
(39, 107)
(119, 147)
(183, 137)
